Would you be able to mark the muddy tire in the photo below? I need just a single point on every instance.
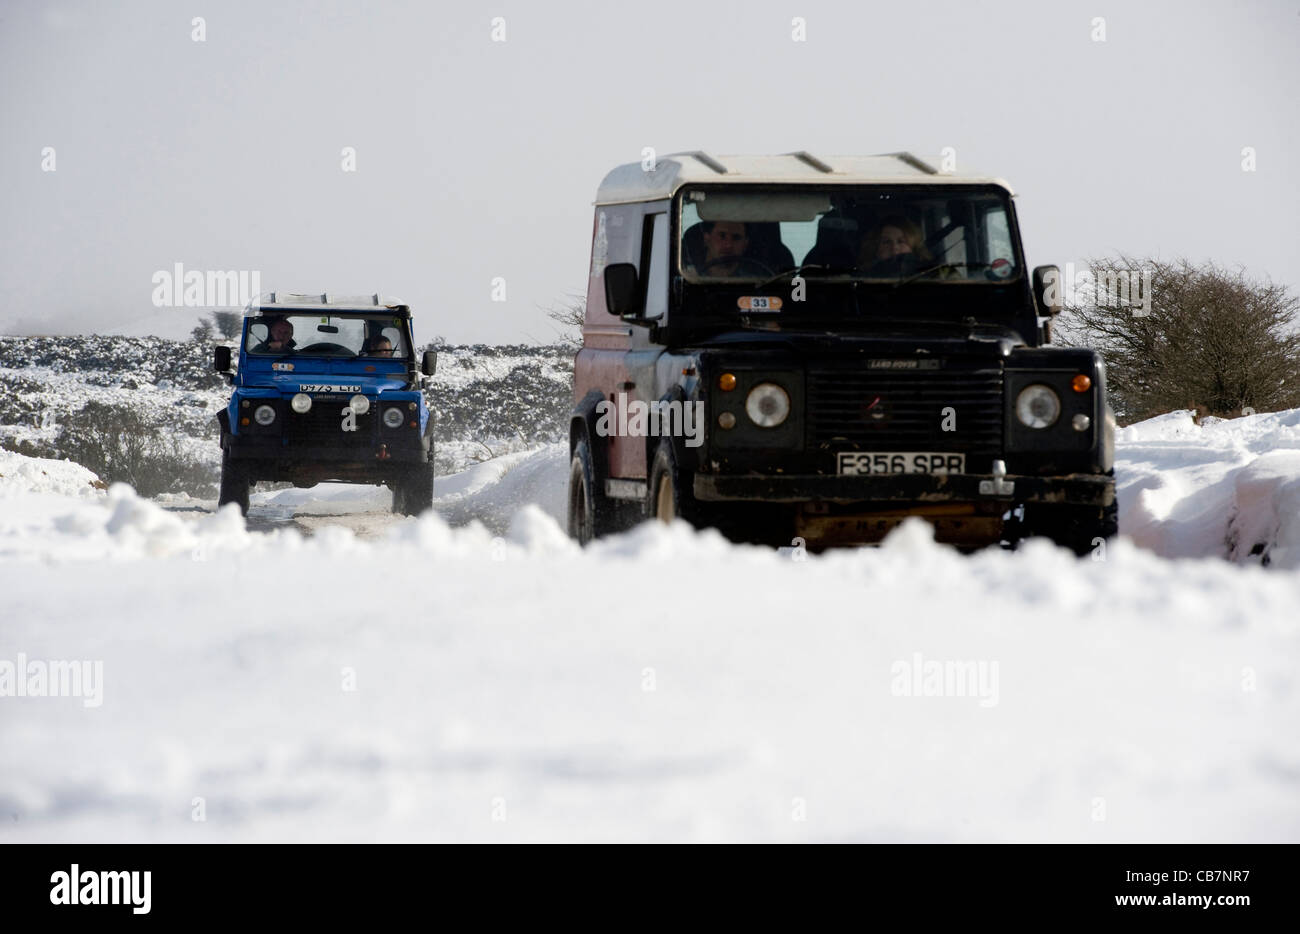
(1079, 528)
(235, 482)
(669, 494)
(413, 491)
(591, 513)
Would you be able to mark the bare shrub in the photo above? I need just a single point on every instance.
(119, 443)
(1214, 340)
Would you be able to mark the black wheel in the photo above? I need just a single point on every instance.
(413, 490)
(669, 494)
(235, 482)
(591, 513)
(1079, 528)
(582, 495)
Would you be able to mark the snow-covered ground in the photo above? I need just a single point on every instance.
(1229, 488)
(488, 400)
(494, 682)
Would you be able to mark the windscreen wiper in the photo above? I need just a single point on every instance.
(931, 270)
(799, 270)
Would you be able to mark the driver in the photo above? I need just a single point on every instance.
(725, 243)
(279, 337)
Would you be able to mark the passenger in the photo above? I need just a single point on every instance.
(382, 347)
(896, 245)
(279, 337)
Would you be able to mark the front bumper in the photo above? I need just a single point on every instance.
(1075, 489)
(275, 449)
(270, 459)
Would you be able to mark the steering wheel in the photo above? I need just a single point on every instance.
(326, 348)
(904, 264)
(756, 266)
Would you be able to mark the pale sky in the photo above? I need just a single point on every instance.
(479, 159)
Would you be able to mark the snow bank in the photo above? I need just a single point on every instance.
(21, 475)
(120, 527)
(491, 492)
(494, 491)
(448, 684)
(326, 499)
(1227, 488)
(496, 682)
(58, 511)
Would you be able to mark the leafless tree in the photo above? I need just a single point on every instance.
(1214, 339)
(120, 443)
(227, 323)
(568, 316)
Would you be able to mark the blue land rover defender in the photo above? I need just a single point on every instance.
(327, 388)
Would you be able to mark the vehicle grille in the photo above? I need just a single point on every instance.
(323, 425)
(856, 408)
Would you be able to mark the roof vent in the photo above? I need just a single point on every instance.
(708, 160)
(914, 162)
(809, 159)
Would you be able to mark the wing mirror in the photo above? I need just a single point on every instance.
(1047, 290)
(621, 291)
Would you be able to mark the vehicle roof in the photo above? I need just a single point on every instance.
(328, 302)
(631, 182)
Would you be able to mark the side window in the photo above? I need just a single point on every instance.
(622, 233)
(656, 269)
(953, 247)
(617, 240)
(998, 235)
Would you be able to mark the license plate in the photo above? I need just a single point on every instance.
(870, 463)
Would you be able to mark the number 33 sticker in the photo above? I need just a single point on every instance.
(759, 303)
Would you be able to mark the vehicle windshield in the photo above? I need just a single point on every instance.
(874, 232)
(380, 336)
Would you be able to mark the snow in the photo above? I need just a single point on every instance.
(462, 367)
(1225, 488)
(491, 492)
(493, 681)
(327, 499)
(21, 476)
(497, 489)
(487, 400)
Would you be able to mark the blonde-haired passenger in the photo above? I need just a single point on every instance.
(895, 247)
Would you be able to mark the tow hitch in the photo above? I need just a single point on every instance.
(999, 485)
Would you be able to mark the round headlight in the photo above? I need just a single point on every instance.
(393, 417)
(767, 405)
(264, 415)
(301, 403)
(359, 404)
(1038, 406)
